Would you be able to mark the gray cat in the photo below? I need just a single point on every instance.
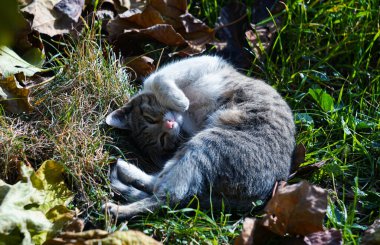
(233, 138)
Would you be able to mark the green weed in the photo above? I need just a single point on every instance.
(325, 60)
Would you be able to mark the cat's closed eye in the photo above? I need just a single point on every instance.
(150, 119)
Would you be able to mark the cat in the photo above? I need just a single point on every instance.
(232, 136)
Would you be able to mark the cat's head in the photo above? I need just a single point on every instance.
(155, 129)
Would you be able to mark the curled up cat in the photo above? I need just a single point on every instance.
(232, 136)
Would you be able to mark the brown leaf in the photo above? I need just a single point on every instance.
(133, 20)
(246, 236)
(296, 209)
(171, 10)
(196, 33)
(372, 234)
(47, 20)
(142, 65)
(299, 157)
(13, 96)
(163, 33)
(254, 233)
(70, 8)
(147, 18)
(327, 237)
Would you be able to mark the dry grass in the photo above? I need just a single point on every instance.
(68, 123)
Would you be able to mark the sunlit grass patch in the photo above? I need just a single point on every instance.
(325, 60)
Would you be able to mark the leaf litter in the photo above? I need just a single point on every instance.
(294, 215)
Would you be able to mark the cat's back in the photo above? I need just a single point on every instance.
(190, 69)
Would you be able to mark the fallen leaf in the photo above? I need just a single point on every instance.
(120, 6)
(171, 10)
(17, 223)
(26, 217)
(46, 20)
(11, 63)
(142, 65)
(197, 34)
(13, 96)
(293, 216)
(49, 178)
(147, 18)
(15, 90)
(246, 236)
(70, 8)
(296, 209)
(372, 235)
(102, 237)
(166, 21)
(299, 157)
(327, 237)
(163, 33)
(254, 233)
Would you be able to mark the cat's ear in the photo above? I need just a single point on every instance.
(119, 117)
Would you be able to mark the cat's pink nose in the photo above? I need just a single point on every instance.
(169, 124)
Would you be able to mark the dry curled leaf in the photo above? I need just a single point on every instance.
(171, 10)
(327, 237)
(148, 17)
(254, 233)
(46, 19)
(163, 33)
(294, 215)
(13, 96)
(296, 209)
(197, 34)
(142, 65)
(299, 157)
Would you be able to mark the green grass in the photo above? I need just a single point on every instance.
(325, 61)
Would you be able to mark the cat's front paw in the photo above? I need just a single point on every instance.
(115, 211)
(178, 102)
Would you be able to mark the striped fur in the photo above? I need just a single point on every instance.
(233, 137)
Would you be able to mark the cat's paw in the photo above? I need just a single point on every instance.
(115, 211)
(178, 101)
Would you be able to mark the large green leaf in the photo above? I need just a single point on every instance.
(11, 63)
(33, 210)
